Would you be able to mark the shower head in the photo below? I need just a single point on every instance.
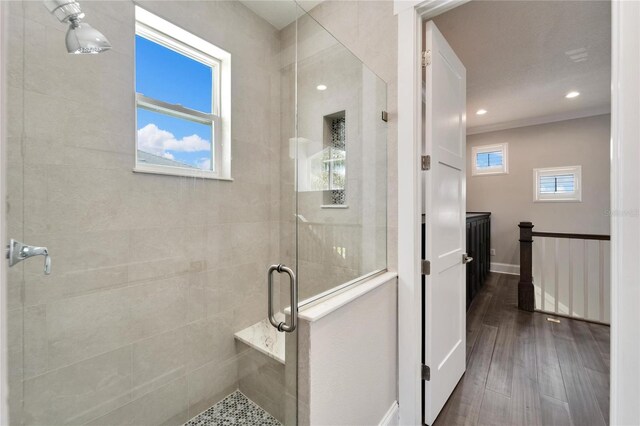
(81, 37)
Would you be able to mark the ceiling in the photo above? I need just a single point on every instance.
(278, 13)
(523, 57)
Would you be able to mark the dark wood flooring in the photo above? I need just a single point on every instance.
(525, 370)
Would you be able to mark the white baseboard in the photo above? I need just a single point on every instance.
(505, 268)
(391, 418)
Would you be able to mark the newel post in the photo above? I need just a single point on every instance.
(526, 300)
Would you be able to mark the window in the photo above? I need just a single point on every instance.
(183, 90)
(490, 159)
(557, 184)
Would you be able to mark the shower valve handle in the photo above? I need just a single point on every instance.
(17, 252)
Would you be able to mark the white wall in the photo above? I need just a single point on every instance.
(625, 243)
(509, 197)
(348, 356)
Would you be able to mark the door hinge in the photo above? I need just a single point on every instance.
(426, 372)
(425, 267)
(426, 162)
(385, 116)
(426, 58)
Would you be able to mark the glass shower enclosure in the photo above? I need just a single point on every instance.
(176, 231)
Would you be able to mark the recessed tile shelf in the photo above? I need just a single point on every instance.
(263, 337)
(235, 409)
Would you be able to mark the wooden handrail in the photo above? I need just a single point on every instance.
(571, 236)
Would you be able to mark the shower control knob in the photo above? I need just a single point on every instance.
(17, 252)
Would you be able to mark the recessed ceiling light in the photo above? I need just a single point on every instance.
(572, 95)
(577, 55)
(481, 112)
(321, 87)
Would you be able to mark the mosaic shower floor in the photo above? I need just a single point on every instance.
(235, 409)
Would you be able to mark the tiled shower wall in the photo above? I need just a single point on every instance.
(152, 274)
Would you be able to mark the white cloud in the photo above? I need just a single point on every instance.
(169, 156)
(157, 141)
(204, 163)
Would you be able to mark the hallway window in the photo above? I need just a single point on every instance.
(490, 159)
(557, 184)
(181, 95)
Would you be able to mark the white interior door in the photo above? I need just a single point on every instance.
(445, 199)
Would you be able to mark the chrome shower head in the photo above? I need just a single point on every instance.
(81, 37)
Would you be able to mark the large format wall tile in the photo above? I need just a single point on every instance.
(211, 383)
(80, 392)
(158, 360)
(262, 379)
(209, 340)
(167, 405)
(84, 326)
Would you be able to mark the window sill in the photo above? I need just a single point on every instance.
(334, 206)
(558, 200)
(200, 174)
(475, 173)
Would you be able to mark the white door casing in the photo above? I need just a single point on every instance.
(444, 190)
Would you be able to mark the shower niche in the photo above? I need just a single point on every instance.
(334, 161)
(322, 161)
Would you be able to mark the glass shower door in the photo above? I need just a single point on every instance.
(342, 164)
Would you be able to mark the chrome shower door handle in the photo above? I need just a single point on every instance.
(17, 252)
(293, 292)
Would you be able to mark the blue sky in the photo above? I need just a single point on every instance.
(171, 77)
(557, 183)
(489, 159)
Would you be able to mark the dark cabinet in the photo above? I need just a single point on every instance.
(478, 247)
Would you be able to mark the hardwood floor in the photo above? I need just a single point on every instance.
(525, 370)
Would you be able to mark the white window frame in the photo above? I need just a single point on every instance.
(166, 34)
(501, 170)
(576, 196)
